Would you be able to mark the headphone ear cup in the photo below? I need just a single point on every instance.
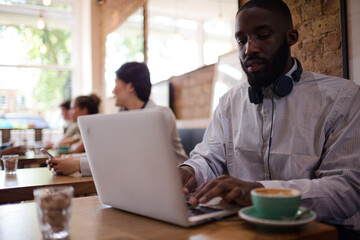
(255, 95)
(283, 86)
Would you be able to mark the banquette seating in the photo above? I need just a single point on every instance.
(190, 137)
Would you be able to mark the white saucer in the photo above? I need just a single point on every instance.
(249, 214)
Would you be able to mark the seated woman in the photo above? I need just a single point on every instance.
(83, 105)
(132, 91)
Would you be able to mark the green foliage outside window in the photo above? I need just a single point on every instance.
(53, 86)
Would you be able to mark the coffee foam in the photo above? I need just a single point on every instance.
(271, 192)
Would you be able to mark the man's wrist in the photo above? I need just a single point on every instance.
(189, 169)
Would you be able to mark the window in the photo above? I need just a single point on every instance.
(35, 64)
(20, 102)
(123, 45)
(173, 46)
(177, 42)
(218, 39)
(3, 101)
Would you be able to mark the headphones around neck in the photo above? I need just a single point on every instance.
(282, 86)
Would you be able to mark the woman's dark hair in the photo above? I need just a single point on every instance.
(66, 104)
(138, 74)
(91, 103)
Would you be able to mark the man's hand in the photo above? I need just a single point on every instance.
(64, 166)
(12, 150)
(229, 188)
(188, 179)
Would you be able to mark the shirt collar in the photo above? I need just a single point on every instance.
(293, 69)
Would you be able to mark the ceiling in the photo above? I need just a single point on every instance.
(195, 9)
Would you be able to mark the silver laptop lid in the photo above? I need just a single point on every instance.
(133, 164)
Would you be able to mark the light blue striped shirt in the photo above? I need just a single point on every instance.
(315, 144)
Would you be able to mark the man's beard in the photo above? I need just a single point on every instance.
(273, 70)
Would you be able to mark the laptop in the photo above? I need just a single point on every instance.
(134, 167)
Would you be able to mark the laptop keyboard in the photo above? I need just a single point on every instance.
(199, 210)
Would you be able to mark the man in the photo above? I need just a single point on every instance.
(303, 133)
(65, 112)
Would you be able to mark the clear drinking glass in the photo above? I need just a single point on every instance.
(54, 211)
(37, 146)
(10, 163)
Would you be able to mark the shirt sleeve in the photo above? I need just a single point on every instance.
(208, 159)
(84, 166)
(335, 188)
(72, 130)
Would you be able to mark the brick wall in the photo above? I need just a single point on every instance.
(318, 49)
(192, 93)
(319, 45)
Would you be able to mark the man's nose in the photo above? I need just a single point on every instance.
(251, 47)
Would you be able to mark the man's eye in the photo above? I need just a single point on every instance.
(264, 35)
(240, 41)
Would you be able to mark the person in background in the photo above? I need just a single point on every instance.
(65, 112)
(260, 136)
(83, 105)
(132, 91)
(65, 108)
(6, 149)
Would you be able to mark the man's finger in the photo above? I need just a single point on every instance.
(190, 184)
(199, 194)
(185, 191)
(236, 194)
(217, 190)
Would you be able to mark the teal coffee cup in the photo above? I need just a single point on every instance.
(278, 204)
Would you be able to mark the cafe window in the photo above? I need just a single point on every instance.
(218, 39)
(36, 60)
(176, 44)
(173, 46)
(3, 101)
(123, 45)
(20, 102)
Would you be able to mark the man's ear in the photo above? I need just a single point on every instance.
(292, 36)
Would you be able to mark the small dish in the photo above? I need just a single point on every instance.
(250, 215)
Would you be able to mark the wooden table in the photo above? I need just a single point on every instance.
(92, 220)
(31, 158)
(19, 187)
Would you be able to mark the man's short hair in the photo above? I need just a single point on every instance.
(138, 74)
(277, 6)
(66, 104)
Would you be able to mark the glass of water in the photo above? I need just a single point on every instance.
(54, 211)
